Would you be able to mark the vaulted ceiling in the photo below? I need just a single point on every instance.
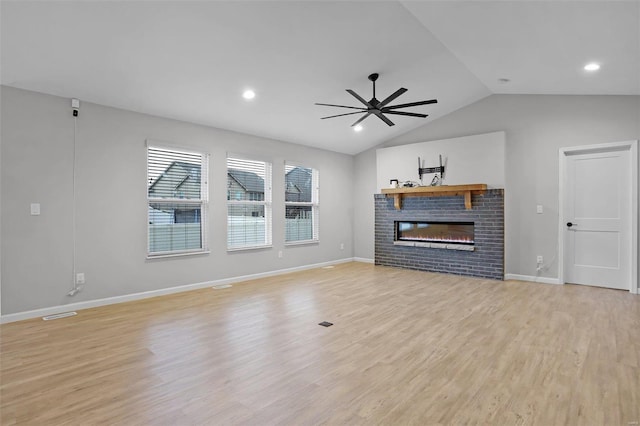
(191, 60)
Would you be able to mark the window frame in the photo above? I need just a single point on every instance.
(314, 204)
(266, 202)
(203, 201)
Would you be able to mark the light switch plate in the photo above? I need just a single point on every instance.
(35, 209)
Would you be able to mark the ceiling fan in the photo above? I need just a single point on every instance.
(378, 108)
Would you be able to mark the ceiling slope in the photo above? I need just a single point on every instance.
(191, 60)
(541, 46)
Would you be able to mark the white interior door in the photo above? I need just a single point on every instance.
(598, 219)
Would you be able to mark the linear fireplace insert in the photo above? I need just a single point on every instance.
(435, 232)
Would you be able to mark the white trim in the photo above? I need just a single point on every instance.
(267, 203)
(531, 278)
(300, 243)
(36, 313)
(249, 157)
(180, 147)
(58, 316)
(364, 260)
(249, 202)
(245, 248)
(192, 201)
(634, 216)
(632, 146)
(561, 178)
(314, 203)
(203, 201)
(176, 254)
(445, 246)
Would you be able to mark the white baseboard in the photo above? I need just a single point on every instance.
(544, 280)
(363, 260)
(532, 278)
(19, 316)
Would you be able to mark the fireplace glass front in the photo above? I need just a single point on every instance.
(436, 232)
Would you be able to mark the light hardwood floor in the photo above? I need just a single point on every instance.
(406, 347)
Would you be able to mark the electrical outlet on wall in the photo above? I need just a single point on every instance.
(540, 260)
(80, 278)
(341, 246)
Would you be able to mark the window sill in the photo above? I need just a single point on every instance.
(301, 243)
(235, 249)
(180, 254)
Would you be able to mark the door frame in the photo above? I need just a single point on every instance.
(564, 153)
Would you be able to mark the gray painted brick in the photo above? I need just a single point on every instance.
(487, 261)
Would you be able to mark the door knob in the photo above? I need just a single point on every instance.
(569, 224)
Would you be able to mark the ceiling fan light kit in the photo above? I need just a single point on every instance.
(379, 108)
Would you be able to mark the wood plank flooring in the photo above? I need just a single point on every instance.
(406, 347)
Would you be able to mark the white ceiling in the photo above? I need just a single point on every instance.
(542, 46)
(192, 60)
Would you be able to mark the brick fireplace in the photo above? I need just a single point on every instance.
(413, 236)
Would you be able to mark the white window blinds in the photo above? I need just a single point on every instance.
(248, 203)
(301, 204)
(177, 195)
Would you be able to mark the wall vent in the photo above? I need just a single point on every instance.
(57, 316)
(221, 286)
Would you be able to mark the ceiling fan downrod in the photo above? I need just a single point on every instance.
(373, 77)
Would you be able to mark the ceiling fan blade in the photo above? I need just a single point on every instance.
(340, 115)
(394, 95)
(360, 119)
(410, 114)
(341, 106)
(432, 101)
(358, 97)
(381, 116)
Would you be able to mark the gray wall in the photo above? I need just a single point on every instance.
(364, 187)
(36, 166)
(37, 142)
(459, 156)
(536, 127)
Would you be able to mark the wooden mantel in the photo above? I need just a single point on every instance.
(435, 191)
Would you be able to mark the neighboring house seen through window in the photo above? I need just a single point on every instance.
(301, 204)
(248, 204)
(177, 200)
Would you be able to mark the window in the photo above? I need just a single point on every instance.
(301, 204)
(248, 204)
(177, 201)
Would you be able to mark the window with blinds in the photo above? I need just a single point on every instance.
(248, 204)
(177, 201)
(301, 204)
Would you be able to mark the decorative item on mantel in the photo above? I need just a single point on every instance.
(436, 191)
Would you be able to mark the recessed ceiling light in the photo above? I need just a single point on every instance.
(358, 128)
(592, 67)
(249, 94)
